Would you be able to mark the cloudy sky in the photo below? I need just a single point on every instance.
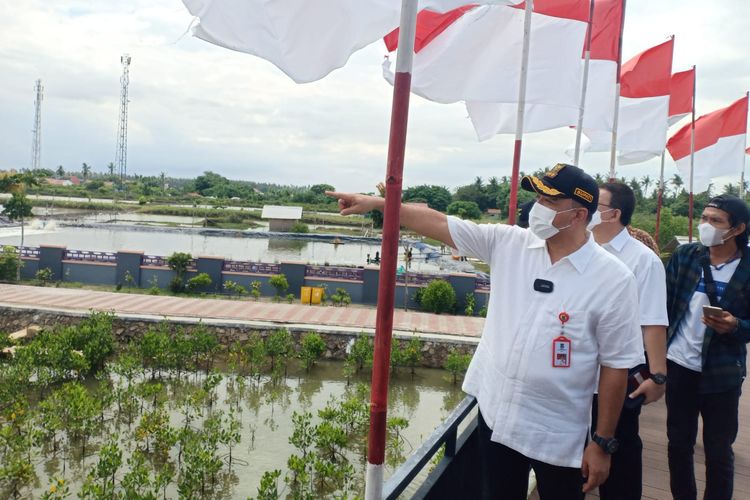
(197, 107)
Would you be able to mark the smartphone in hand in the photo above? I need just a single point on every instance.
(712, 311)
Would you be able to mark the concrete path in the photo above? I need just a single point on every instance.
(359, 318)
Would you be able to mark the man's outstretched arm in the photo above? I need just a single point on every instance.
(423, 220)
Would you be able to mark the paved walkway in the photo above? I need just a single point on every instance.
(359, 318)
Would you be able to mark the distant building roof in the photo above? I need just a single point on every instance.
(279, 212)
(494, 211)
(58, 182)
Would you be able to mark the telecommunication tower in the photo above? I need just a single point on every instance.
(121, 154)
(36, 132)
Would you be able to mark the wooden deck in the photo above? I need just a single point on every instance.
(655, 469)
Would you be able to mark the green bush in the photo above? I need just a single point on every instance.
(199, 282)
(9, 262)
(312, 346)
(178, 262)
(341, 297)
(457, 364)
(471, 304)
(255, 289)
(279, 347)
(300, 227)
(43, 276)
(279, 282)
(438, 297)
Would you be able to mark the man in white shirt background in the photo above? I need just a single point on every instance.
(561, 309)
(616, 207)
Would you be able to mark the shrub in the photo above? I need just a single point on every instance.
(43, 276)
(457, 364)
(199, 282)
(178, 262)
(471, 303)
(341, 297)
(279, 345)
(234, 287)
(438, 297)
(290, 298)
(359, 352)
(300, 227)
(9, 262)
(255, 289)
(311, 348)
(279, 282)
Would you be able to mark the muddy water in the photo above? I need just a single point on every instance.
(265, 410)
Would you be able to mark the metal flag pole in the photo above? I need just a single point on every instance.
(513, 203)
(616, 116)
(584, 87)
(659, 198)
(389, 252)
(692, 162)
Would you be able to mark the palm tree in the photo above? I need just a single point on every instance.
(111, 168)
(85, 170)
(60, 171)
(163, 182)
(677, 182)
(646, 182)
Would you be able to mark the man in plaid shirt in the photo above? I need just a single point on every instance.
(706, 350)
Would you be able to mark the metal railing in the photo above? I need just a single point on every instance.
(154, 260)
(239, 266)
(28, 252)
(339, 273)
(90, 256)
(419, 279)
(447, 433)
(482, 284)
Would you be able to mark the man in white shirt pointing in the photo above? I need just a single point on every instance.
(561, 309)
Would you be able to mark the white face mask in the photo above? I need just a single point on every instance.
(596, 219)
(540, 221)
(711, 236)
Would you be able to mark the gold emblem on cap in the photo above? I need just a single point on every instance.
(583, 194)
(542, 188)
(555, 170)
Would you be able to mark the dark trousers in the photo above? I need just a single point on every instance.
(625, 481)
(505, 473)
(720, 422)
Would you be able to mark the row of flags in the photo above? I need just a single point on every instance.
(472, 53)
(518, 66)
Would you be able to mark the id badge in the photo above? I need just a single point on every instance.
(561, 351)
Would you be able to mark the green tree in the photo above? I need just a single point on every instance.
(60, 172)
(85, 171)
(465, 209)
(436, 197)
(280, 283)
(18, 207)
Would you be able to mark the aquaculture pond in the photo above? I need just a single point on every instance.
(174, 415)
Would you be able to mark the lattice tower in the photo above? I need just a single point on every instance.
(121, 153)
(36, 132)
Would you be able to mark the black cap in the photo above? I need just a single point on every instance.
(565, 181)
(735, 207)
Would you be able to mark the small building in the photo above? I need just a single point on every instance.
(280, 218)
(495, 213)
(58, 182)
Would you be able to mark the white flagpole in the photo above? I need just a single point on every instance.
(659, 199)
(513, 202)
(692, 161)
(616, 116)
(586, 59)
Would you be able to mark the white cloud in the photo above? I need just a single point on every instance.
(197, 107)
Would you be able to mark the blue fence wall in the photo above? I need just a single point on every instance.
(133, 268)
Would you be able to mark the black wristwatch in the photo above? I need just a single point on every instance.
(609, 445)
(659, 378)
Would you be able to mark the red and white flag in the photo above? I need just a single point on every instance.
(306, 39)
(599, 105)
(681, 95)
(473, 54)
(644, 107)
(720, 141)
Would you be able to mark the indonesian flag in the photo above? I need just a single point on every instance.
(681, 95)
(644, 107)
(474, 53)
(600, 90)
(306, 39)
(720, 140)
